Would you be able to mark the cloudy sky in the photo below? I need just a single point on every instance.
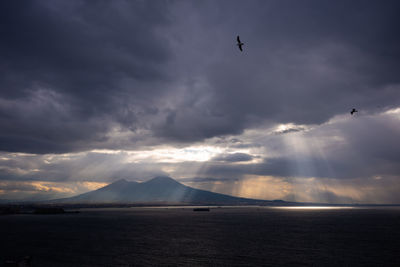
(95, 91)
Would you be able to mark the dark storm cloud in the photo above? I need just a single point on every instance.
(307, 61)
(233, 157)
(71, 72)
(69, 69)
(71, 45)
(303, 62)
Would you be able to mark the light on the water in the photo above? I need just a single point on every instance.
(314, 208)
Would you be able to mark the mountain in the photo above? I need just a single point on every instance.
(157, 190)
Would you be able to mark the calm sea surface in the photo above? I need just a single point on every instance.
(222, 237)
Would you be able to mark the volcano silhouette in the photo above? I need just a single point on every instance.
(160, 189)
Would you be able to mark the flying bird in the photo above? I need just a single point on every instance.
(353, 110)
(240, 44)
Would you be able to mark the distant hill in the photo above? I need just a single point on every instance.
(157, 190)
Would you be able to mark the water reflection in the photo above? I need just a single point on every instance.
(315, 208)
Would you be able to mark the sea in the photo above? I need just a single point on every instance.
(222, 236)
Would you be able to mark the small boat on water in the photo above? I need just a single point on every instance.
(201, 209)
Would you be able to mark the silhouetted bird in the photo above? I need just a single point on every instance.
(354, 110)
(239, 43)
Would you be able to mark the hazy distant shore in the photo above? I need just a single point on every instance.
(39, 208)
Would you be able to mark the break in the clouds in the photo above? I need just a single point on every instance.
(100, 90)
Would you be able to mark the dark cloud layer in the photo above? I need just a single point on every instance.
(233, 157)
(70, 69)
(73, 71)
(307, 61)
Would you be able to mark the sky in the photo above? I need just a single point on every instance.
(96, 91)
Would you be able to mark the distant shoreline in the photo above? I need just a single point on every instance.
(33, 208)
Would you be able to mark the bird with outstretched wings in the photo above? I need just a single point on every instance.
(353, 110)
(240, 44)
